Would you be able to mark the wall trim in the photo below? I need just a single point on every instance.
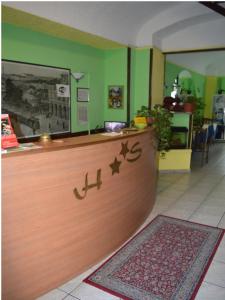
(128, 83)
(150, 78)
(196, 50)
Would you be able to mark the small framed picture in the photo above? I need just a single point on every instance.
(82, 94)
(115, 96)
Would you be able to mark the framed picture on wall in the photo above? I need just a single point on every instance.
(115, 96)
(82, 94)
(36, 97)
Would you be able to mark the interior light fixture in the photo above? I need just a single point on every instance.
(78, 76)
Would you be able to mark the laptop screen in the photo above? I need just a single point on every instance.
(112, 126)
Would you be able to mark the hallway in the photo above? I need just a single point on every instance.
(198, 196)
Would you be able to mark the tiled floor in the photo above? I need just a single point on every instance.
(198, 196)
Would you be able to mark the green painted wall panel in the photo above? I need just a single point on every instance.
(181, 119)
(197, 84)
(221, 83)
(29, 46)
(101, 68)
(140, 60)
(171, 72)
(115, 74)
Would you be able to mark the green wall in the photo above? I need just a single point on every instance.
(202, 86)
(221, 83)
(171, 72)
(140, 60)
(115, 74)
(29, 46)
(181, 119)
(102, 68)
(197, 85)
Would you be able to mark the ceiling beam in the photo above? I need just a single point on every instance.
(215, 7)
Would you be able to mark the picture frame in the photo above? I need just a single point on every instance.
(82, 94)
(115, 96)
(37, 98)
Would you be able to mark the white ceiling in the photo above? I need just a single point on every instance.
(167, 25)
(207, 63)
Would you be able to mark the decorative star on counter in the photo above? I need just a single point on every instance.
(124, 150)
(115, 166)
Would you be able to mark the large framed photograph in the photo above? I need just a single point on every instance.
(82, 94)
(36, 97)
(115, 96)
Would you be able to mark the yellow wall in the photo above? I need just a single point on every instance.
(26, 20)
(177, 159)
(210, 91)
(157, 77)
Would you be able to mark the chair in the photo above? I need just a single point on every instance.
(211, 135)
(220, 131)
(201, 144)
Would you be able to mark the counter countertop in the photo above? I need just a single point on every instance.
(72, 142)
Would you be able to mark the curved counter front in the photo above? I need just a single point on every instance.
(69, 204)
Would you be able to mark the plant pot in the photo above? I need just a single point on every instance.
(189, 107)
(149, 120)
(141, 125)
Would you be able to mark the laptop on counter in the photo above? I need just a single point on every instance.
(114, 126)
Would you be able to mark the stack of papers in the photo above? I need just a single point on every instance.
(112, 133)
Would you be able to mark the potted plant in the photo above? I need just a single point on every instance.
(198, 115)
(190, 104)
(162, 125)
(144, 111)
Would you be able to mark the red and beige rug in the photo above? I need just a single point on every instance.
(167, 260)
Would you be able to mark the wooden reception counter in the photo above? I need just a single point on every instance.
(69, 204)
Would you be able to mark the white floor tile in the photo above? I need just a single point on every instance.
(220, 253)
(220, 202)
(53, 295)
(216, 274)
(218, 194)
(180, 187)
(150, 218)
(75, 282)
(206, 183)
(215, 180)
(158, 210)
(213, 210)
(222, 223)
(192, 198)
(221, 187)
(69, 297)
(200, 191)
(173, 193)
(186, 205)
(88, 292)
(205, 219)
(210, 292)
(163, 201)
(178, 213)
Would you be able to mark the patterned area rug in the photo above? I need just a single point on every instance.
(167, 260)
